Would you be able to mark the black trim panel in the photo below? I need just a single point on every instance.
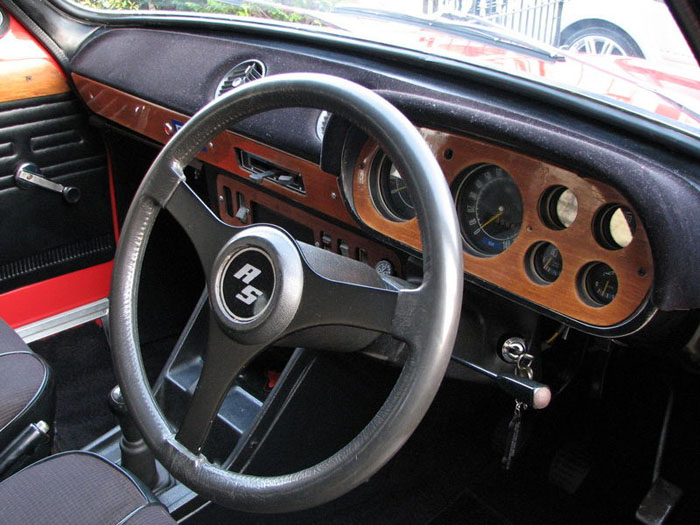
(41, 235)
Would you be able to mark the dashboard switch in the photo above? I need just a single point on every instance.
(326, 241)
(242, 214)
(362, 255)
(343, 249)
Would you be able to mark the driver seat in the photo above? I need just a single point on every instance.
(80, 488)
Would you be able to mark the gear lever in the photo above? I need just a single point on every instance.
(136, 456)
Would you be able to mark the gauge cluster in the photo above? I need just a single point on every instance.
(529, 229)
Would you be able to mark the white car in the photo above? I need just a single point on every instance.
(606, 27)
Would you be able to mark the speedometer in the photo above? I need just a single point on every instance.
(490, 209)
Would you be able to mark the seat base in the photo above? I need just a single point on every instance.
(79, 488)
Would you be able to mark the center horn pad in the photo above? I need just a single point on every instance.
(256, 284)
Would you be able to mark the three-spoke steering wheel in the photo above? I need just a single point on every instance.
(263, 286)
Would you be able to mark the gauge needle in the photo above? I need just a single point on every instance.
(491, 220)
(398, 189)
(546, 264)
(605, 288)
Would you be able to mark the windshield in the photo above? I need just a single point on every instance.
(628, 53)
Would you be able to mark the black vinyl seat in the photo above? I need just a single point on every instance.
(27, 390)
(78, 488)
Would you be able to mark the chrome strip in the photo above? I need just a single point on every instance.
(63, 321)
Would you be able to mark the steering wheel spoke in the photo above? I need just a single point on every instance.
(339, 291)
(334, 303)
(223, 361)
(205, 230)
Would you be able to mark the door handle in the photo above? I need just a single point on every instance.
(29, 175)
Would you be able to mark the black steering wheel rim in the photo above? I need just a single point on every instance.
(436, 303)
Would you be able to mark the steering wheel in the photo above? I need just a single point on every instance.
(263, 285)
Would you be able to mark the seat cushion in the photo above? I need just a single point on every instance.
(22, 375)
(77, 488)
(26, 386)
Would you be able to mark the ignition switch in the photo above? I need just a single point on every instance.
(512, 349)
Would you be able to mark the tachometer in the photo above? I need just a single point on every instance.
(490, 209)
(389, 191)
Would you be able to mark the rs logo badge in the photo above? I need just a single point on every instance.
(250, 293)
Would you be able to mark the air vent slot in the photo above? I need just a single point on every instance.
(261, 170)
(240, 74)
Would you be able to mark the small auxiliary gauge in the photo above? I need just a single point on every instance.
(385, 267)
(545, 263)
(599, 284)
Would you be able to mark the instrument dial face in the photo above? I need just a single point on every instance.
(490, 210)
(600, 283)
(546, 262)
(389, 191)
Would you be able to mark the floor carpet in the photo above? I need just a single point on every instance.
(82, 365)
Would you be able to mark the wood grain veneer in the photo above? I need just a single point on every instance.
(22, 79)
(375, 251)
(577, 244)
(26, 68)
(148, 119)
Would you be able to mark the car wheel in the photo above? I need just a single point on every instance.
(601, 40)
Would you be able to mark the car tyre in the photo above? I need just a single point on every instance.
(602, 40)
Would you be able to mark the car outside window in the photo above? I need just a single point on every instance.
(627, 53)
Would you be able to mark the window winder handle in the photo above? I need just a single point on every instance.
(29, 175)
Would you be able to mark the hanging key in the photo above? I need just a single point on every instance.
(523, 366)
(514, 435)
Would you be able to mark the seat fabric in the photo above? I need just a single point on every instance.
(27, 392)
(21, 377)
(78, 488)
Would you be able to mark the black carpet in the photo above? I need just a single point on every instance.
(450, 471)
(82, 366)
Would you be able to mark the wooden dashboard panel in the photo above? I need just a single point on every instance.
(152, 121)
(508, 270)
(26, 69)
(357, 246)
(577, 244)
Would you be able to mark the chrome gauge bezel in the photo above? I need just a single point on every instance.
(380, 170)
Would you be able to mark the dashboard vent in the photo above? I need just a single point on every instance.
(240, 74)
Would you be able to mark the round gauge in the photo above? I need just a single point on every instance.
(599, 283)
(558, 207)
(614, 227)
(545, 262)
(490, 210)
(389, 191)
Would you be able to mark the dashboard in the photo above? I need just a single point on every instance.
(560, 226)
(543, 233)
